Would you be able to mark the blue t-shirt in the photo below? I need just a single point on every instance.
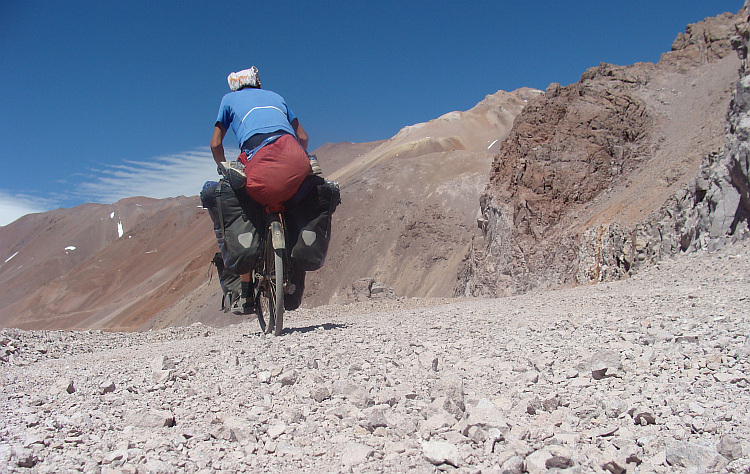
(250, 111)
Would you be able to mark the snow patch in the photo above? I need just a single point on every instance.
(8, 259)
(112, 216)
(119, 229)
(151, 251)
(70, 247)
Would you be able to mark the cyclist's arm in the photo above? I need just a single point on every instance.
(217, 147)
(302, 137)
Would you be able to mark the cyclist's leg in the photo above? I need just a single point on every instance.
(245, 304)
(293, 299)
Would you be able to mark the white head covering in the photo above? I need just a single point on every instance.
(244, 78)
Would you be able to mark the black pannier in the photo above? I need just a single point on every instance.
(308, 221)
(236, 219)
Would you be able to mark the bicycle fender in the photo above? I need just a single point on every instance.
(277, 236)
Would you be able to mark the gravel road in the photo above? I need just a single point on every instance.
(648, 374)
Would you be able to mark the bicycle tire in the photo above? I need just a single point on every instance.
(270, 307)
(262, 281)
(278, 293)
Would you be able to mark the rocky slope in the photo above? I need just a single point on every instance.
(647, 374)
(103, 266)
(408, 205)
(618, 169)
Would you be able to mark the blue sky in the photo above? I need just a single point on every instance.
(105, 100)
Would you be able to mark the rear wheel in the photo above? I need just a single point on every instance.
(278, 292)
(270, 309)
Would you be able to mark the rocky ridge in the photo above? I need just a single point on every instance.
(648, 374)
(619, 169)
(409, 204)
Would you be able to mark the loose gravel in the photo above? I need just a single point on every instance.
(649, 374)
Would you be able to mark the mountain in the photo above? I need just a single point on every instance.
(144, 263)
(409, 205)
(626, 166)
(587, 182)
(102, 266)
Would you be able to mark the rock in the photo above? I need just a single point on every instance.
(162, 363)
(440, 452)
(320, 394)
(531, 377)
(644, 418)
(731, 447)
(376, 417)
(162, 376)
(614, 467)
(386, 405)
(354, 454)
(287, 449)
(360, 289)
(25, 457)
(148, 418)
(692, 455)
(264, 377)
(530, 243)
(486, 415)
(116, 455)
(223, 432)
(604, 361)
(238, 430)
(512, 465)
(276, 430)
(439, 420)
(107, 387)
(361, 398)
(614, 407)
(62, 385)
(155, 465)
(533, 405)
(288, 378)
(452, 387)
(31, 440)
(558, 462)
(428, 360)
(536, 462)
(270, 446)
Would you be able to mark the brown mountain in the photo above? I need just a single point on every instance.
(409, 205)
(617, 170)
(102, 266)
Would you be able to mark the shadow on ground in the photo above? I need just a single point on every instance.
(305, 329)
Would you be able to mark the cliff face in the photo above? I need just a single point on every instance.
(408, 205)
(621, 168)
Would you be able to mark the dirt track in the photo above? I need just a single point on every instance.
(648, 374)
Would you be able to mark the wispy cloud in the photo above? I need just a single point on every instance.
(14, 206)
(181, 174)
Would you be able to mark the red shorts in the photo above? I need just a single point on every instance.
(276, 171)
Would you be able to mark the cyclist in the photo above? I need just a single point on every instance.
(274, 153)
